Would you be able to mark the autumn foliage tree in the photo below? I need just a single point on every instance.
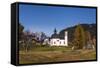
(94, 41)
(20, 29)
(88, 38)
(79, 37)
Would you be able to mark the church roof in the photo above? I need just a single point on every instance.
(57, 36)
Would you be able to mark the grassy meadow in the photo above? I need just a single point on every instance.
(54, 54)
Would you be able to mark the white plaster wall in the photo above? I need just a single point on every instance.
(57, 43)
(62, 42)
(66, 38)
(54, 40)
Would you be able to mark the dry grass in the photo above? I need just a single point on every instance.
(57, 55)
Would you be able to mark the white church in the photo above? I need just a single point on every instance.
(56, 40)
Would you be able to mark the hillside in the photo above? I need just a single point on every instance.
(87, 27)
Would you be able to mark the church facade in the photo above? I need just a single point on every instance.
(56, 40)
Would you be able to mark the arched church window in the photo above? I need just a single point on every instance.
(54, 42)
(60, 42)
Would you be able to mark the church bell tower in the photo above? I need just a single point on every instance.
(66, 38)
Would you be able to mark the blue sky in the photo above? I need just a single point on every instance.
(45, 19)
